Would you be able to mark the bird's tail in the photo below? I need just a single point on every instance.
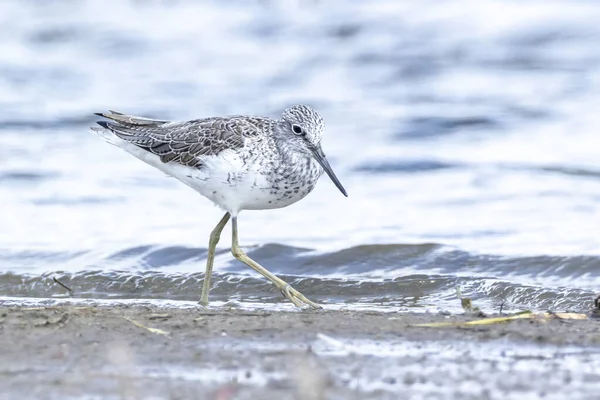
(130, 120)
(107, 130)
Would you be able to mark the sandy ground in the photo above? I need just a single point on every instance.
(147, 352)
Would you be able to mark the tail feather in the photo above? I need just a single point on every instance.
(129, 128)
(131, 120)
(121, 133)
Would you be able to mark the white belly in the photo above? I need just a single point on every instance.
(226, 180)
(235, 187)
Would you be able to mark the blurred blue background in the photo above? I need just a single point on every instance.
(465, 132)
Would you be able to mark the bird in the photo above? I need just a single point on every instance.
(238, 162)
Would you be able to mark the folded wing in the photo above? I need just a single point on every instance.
(186, 142)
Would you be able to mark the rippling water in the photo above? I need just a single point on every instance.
(465, 133)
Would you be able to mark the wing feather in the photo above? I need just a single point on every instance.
(185, 142)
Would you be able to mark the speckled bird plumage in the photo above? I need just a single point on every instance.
(238, 162)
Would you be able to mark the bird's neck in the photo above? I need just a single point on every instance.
(296, 161)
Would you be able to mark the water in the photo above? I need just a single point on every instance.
(464, 133)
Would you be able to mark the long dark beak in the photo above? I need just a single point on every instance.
(320, 157)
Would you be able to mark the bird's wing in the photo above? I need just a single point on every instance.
(185, 142)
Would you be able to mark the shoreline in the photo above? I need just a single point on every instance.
(142, 350)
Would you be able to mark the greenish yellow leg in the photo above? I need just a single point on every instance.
(215, 235)
(292, 294)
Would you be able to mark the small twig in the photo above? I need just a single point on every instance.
(158, 316)
(63, 285)
(153, 330)
(501, 307)
(499, 320)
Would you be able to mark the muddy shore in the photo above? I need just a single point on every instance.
(149, 352)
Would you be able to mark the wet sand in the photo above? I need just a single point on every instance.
(109, 352)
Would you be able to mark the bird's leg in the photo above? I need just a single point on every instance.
(215, 235)
(292, 294)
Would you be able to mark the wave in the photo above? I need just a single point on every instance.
(422, 276)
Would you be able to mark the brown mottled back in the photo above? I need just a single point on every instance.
(185, 142)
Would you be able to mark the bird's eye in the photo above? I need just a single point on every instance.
(297, 129)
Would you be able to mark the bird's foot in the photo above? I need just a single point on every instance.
(297, 298)
(203, 302)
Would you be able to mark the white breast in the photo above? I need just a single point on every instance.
(225, 179)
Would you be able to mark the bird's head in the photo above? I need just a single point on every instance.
(304, 128)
